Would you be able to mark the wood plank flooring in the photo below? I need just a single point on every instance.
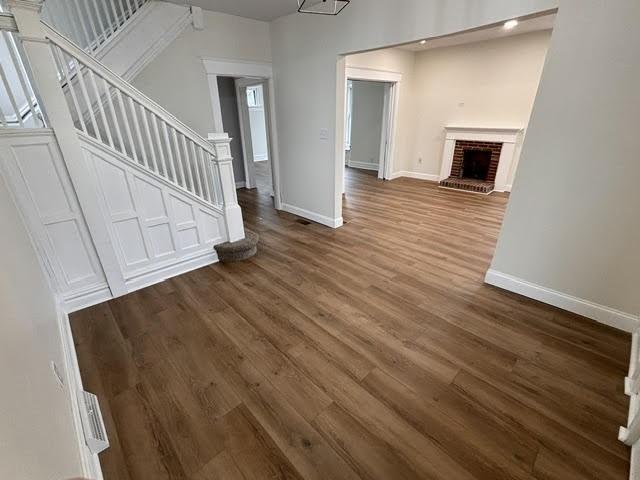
(373, 351)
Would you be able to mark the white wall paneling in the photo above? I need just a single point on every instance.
(32, 164)
(156, 227)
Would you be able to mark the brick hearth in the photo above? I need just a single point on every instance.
(480, 186)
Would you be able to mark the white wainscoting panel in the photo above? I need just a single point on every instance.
(157, 228)
(36, 174)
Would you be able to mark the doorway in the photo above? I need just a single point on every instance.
(254, 133)
(371, 107)
(366, 138)
(254, 80)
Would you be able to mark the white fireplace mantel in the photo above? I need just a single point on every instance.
(509, 137)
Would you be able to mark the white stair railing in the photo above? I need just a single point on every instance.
(90, 23)
(18, 103)
(83, 99)
(112, 112)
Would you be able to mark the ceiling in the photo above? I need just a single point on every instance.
(266, 10)
(530, 25)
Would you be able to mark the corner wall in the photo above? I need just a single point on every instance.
(572, 225)
(38, 439)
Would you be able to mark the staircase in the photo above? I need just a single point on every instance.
(91, 24)
(117, 192)
(124, 35)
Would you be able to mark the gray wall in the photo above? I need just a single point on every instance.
(366, 124)
(231, 122)
(572, 224)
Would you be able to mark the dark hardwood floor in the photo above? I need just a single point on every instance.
(373, 351)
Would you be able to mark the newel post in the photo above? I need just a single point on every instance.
(52, 102)
(223, 167)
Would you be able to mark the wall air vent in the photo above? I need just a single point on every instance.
(95, 434)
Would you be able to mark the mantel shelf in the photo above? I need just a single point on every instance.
(458, 128)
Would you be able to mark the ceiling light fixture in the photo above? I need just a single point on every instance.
(510, 24)
(322, 7)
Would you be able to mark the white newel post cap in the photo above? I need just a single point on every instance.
(222, 144)
(27, 17)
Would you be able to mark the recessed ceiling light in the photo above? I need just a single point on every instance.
(422, 42)
(510, 24)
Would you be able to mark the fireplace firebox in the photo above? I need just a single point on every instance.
(475, 164)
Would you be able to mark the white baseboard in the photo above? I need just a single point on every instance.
(599, 313)
(87, 298)
(502, 188)
(316, 217)
(420, 176)
(90, 462)
(363, 165)
(145, 279)
(241, 184)
(181, 266)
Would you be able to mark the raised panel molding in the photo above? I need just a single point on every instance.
(33, 168)
(158, 228)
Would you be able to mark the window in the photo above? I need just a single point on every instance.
(254, 96)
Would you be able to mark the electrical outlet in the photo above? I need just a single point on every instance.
(419, 159)
(324, 134)
(57, 374)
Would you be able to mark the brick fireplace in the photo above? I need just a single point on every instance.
(474, 166)
(479, 160)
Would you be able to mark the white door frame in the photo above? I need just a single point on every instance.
(392, 82)
(215, 67)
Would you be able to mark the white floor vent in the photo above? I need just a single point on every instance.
(94, 432)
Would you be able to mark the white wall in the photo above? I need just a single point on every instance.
(37, 438)
(368, 109)
(489, 84)
(484, 84)
(305, 56)
(231, 121)
(572, 224)
(182, 88)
